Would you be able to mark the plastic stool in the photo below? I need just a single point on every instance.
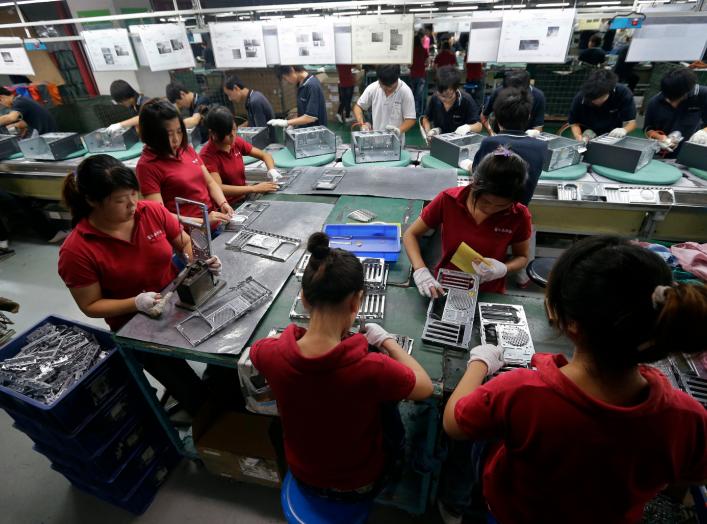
(539, 270)
(301, 507)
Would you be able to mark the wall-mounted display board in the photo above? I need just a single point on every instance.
(165, 46)
(451, 25)
(272, 49)
(342, 41)
(306, 41)
(109, 50)
(666, 38)
(536, 36)
(484, 37)
(14, 61)
(384, 39)
(238, 44)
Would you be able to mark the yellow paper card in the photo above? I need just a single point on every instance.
(464, 256)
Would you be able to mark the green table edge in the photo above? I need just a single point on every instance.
(431, 162)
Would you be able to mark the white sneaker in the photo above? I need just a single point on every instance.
(339, 119)
(60, 235)
(447, 517)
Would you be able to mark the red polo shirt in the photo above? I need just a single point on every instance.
(227, 164)
(418, 69)
(330, 406)
(491, 238)
(563, 456)
(346, 78)
(445, 58)
(172, 177)
(122, 269)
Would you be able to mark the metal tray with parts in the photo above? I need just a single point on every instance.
(245, 214)
(505, 325)
(450, 318)
(100, 141)
(256, 136)
(263, 244)
(305, 142)
(375, 271)
(375, 146)
(329, 179)
(452, 148)
(249, 294)
(561, 152)
(372, 308)
(615, 193)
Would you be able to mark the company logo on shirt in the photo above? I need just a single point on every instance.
(195, 161)
(155, 235)
(503, 230)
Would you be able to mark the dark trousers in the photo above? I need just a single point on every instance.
(25, 211)
(460, 487)
(345, 97)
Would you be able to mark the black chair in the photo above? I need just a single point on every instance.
(538, 270)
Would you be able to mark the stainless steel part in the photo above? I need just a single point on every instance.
(245, 214)
(306, 142)
(51, 146)
(198, 327)
(200, 232)
(506, 325)
(100, 141)
(561, 152)
(9, 145)
(288, 178)
(616, 193)
(375, 146)
(405, 342)
(625, 154)
(569, 192)
(372, 308)
(256, 136)
(263, 244)
(452, 148)
(693, 155)
(196, 285)
(361, 215)
(375, 271)
(450, 278)
(194, 137)
(329, 179)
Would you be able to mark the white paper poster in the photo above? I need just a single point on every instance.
(306, 41)
(14, 61)
(272, 49)
(109, 50)
(342, 42)
(484, 36)
(385, 39)
(669, 39)
(166, 46)
(536, 36)
(238, 44)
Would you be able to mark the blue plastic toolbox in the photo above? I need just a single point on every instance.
(79, 401)
(366, 240)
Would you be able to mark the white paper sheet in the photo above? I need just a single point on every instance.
(484, 37)
(385, 39)
(669, 39)
(166, 46)
(272, 49)
(14, 61)
(238, 44)
(536, 36)
(109, 50)
(342, 42)
(306, 41)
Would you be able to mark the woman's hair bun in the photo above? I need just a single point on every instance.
(318, 245)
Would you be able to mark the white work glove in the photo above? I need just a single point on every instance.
(533, 133)
(393, 129)
(490, 355)
(490, 269)
(463, 130)
(274, 175)
(588, 135)
(278, 122)
(434, 131)
(376, 335)
(114, 129)
(365, 126)
(619, 132)
(699, 138)
(466, 164)
(146, 301)
(214, 265)
(425, 282)
(666, 144)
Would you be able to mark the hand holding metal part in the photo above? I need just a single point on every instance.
(490, 355)
(490, 269)
(426, 284)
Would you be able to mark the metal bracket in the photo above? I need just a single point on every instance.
(507, 326)
(372, 308)
(329, 180)
(199, 232)
(263, 244)
(286, 179)
(375, 271)
(361, 215)
(245, 214)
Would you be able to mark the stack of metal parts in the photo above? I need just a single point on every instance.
(256, 136)
(263, 244)
(6, 332)
(450, 318)
(54, 358)
(375, 146)
(198, 327)
(305, 142)
(683, 373)
(375, 271)
(615, 193)
(9, 146)
(452, 148)
(245, 214)
(372, 307)
(51, 146)
(100, 141)
(561, 152)
(625, 154)
(505, 325)
(329, 179)
(362, 215)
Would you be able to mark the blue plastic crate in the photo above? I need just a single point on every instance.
(83, 398)
(366, 240)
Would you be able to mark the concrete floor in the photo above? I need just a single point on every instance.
(32, 493)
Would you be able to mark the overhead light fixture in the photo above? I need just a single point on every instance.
(614, 2)
(347, 13)
(424, 10)
(467, 8)
(308, 15)
(276, 9)
(382, 11)
(515, 6)
(564, 4)
(223, 15)
(653, 1)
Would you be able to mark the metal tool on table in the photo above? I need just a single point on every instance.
(100, 141)
(198, 327)
(452, 148)
(305, 142)
(506, 325)
(375, 146)
(263, 244)
(287, 178)
(256, 136)
(375, 271)
(372, 308)
(561, 151)
(329, 179)
(625, 154)
(361, 215)
(245, 214)
(51, 146)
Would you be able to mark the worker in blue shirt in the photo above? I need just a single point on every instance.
(259, 109)
(602, 106)
(680, 106)
(521, 80)
(195, 104)
(311, 110)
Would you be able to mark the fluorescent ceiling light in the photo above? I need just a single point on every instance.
(272, 17)
(424, 10)
(515, 6)
(307, 15)
(270, 9)
(565, 4)
(223, 15)
(347, 13)
(616, 2)
(25, 2)
(467, 8)
(382, 11)
(653, 1)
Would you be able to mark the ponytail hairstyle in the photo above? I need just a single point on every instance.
(624, 304)
(220, 122)
(501, 173)
(153, 115)
(332, 275)
(94, 180)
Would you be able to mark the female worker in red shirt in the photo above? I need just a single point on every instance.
(445, 57)
(169, 167)
(322, 374)
(593, 439)
(223, 157)
(118, 258)
(486, 215)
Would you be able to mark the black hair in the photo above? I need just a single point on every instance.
(174, 91)
(446, 46)
(332, 275)
(219, 121)
(518, 78)
(153, 115)
(512, 108)
(599, 83)
(604, 286)
(388, 74)
(447, 78)
(417, 39)
(5, 91)
(501, 173)
(120, 91)
(233, 81)
(595, 39)
(96, 177)
(283, 70)
(677, 83)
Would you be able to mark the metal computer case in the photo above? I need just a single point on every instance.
(306, 142)
(693, 155)
(51, 146)
(256, 136)
(561, 152)
(375, 146)
(100, 141)
(8, 146)
(625, 154)
(452, 148)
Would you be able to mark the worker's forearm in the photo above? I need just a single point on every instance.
(517, 264)
(10, 118)
(264, 156)
(476, 128)
(472, 379)
(629, 126)
(192, 121)
(407, 125)
(655, 134)
(426, 124)
(398, 353)
(108, 307)
(358, 114)
(130, 122)
(216, 193)
(301, 120)
(576, 132)
(236, 191)
(412, 248)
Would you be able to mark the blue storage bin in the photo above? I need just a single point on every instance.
(366, 240)
(83, 398)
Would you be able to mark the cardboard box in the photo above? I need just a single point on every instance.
(240, 446)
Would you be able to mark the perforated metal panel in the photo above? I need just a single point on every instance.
(375, 146)
(310, 141)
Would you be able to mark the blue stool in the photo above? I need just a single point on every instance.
(301, 507)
